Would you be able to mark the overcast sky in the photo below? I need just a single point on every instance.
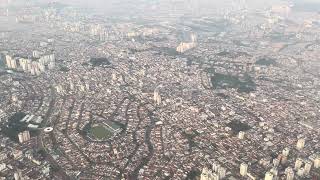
(127, 5)
(107, 4)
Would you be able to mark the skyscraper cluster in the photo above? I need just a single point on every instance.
(217, 172)
(184, 46)
(99, 31)
(302, 166)
(24, 136)
(34, 66)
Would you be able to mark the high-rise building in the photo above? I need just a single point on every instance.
(298, 163)
(214, 176)
(307, 167)
(241, 135)
(289, 174)
(219, 170)
(268, 176)
(300, 172)
(317, 162)
(35, 67)
(8, 61)
(274, 171)
(24, 136)
(300, 143)
(204, 173)
(14, 64)
(156, 96)
(285, 151)
(222, 172)
(275, 162)
(243, 169)
(193, 38)
(183, 47)
(23, 64)
(215, 167)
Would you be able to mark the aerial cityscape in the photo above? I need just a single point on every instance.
(160, 90)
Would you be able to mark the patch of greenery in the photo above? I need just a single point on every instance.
(101, 132)
(222, 81)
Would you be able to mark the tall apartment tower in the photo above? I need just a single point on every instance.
(300, 143)
(156, 96)
(24, 136)
(289, 173)
(222, 172)
(307, 167)
(300, 172)
(298, 163)
(215, 176)
(317, 162)
(285, 151)
(8, 61)
(243, 169)
(204, 174)
(241, 135)
(268, 176)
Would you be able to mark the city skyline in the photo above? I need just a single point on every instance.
(159, 89)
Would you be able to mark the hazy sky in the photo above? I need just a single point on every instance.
(127, 5)
(107, 4)
(111, 5)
